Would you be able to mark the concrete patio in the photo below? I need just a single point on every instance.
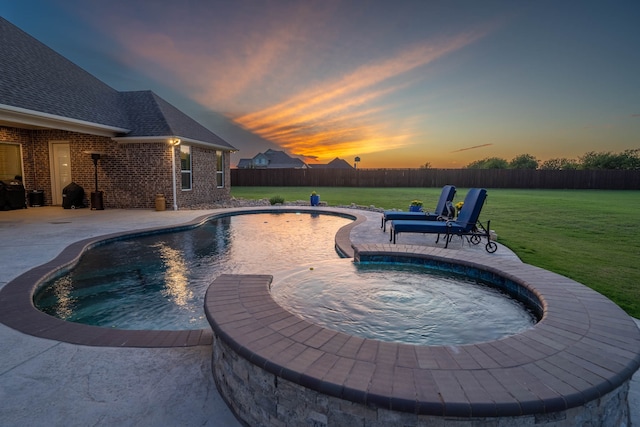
(46, 382)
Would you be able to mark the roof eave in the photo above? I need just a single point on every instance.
(31, 119)
(171, 140)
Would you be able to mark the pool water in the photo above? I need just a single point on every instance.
(400, 303)
(158, 282)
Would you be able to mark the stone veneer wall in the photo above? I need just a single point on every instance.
(129, 175)
(260, 398)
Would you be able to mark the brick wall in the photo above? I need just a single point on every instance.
(129, 175)
(204, 168)
(137, 172)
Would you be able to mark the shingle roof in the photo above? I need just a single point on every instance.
(336, 163)
(36, 78)
(244, 164)
(150, 115)
(275, 160)
(280, 159)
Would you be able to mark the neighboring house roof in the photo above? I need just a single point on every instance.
(244, 164)
(295, 164)
(40, 88)
(336, 163)
(280, 159)
(275, 160)
(260, 158)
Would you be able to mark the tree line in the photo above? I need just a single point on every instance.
(626, 160)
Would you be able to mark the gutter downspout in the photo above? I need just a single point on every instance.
(173, 175)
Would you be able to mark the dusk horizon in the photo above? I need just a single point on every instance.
(398, 85)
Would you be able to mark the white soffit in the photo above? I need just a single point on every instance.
(30, 119)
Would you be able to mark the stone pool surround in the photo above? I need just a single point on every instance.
(573, 367)
(575, 364)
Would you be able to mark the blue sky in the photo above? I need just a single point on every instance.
(398, 83)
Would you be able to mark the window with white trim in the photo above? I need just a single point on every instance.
(220, 169)
(185, 167)
(10, 161)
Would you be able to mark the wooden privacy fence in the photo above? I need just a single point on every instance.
(463, 178)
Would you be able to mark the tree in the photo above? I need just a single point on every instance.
(524, 161)
(628, 159)
(560, 164)
(594, 160)
(427, 165)
(489, 163)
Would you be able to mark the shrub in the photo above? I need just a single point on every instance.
(276, 199)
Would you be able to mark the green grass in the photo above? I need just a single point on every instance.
(587, 235)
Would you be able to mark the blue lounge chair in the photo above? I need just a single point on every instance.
(466, 224)
(441, 213)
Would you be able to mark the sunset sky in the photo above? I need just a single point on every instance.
(398, 83)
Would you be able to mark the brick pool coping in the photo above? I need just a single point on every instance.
(18, 311)
(583, 348)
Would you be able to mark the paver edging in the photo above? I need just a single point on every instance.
(16, 297)
(562, 355)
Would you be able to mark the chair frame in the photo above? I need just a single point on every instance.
(468, 227)
(446, 197)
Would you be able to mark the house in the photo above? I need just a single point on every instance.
(272, 159)
(336, 163)
(59, 124)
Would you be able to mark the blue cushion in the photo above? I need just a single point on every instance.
(446, 195)
(432, 227)
(415, 216)
(465, 222)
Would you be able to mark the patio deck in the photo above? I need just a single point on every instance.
(45, 381)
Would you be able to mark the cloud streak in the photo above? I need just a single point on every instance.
(336, 117)
(471, 148)
(261, 72)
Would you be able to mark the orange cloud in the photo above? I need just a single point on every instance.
(225, 65)
(231, 68)
(300, 122)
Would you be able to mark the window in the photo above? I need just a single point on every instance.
(185, 166)
(10, 161)
(220, 169)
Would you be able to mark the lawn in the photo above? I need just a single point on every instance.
(587, 235)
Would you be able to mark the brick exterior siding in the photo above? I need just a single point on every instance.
(130, 175)
(203, 169)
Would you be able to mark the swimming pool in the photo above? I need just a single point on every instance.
(157, 282)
